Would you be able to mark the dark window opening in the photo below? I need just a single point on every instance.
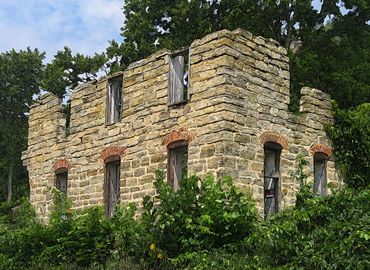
(114, 100)
(61, 178)
(179, 78)
(177, 163)
(111, 186)
(271, 178)
(320, 174)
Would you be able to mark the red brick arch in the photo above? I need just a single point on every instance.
(62, 164)
(270, 136)
(178, 135)
(112, 151)
(321, 148)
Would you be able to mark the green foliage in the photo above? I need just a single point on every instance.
(206, 224)
(331, 55)
(20, 76)
(202, 214)
(329, 232)
(66, 71)
(351, 138)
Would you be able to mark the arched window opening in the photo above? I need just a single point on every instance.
(177, 163)
(272, 183)
(111, 184)
(320, 174)
(61, 179)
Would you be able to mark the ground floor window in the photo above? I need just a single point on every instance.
(271, 184)
(320, 175)
(177, 163)
(111, 186)
(61, 179)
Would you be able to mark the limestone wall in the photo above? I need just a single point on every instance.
(239, 96)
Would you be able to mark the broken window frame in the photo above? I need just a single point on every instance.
(271, 178)
(112, 187)
(320, 161)
(177, 172)
(114, 99)
(60, 176)
(183, 95)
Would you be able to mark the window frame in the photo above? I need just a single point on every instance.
(186, 97)
(322, 158)
(170, 172)
(108, 106)
(57, 181)
(277, 149)
(109, 206)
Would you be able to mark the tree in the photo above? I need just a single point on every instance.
(20, 75)
(328, 49)
(351, 137)
(66, 71)
(337, 60)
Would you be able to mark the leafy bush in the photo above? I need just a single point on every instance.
(200, 215)
(207, 224)
(329, 232)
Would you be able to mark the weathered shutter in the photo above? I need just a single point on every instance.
(176, 92)
(116, 89)
(106, 189)
(174, 169)
(271, 181)
(61, 181)
(113, 186)
(177, 165)
(320, 177)
(116, 182)
(119, 99)
(114, 103)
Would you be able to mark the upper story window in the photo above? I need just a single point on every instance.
(61, 177)
(271, 178)
(320, 174)
(111, 186)
(177, 167)
(179, 78)
(114, 100)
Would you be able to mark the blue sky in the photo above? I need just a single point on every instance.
(83, 25)
(49, 25)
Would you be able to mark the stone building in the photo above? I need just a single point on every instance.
(218, 107)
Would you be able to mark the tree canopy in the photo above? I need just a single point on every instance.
(328, 49)
(20, 76)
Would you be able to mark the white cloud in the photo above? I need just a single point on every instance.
(83, 25)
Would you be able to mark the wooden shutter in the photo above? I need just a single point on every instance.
(61, 181)
(271, 181)
(176, 91)
(114, 103)
(116, 100)
(320, 176)
(177, 165)
(112, 186)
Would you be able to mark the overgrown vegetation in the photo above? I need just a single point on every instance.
(351, 139)
(207, 224)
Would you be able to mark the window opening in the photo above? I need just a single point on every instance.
(271, 178)
(112, 186)
(179, 77)
(61, 180)
(114, 100)
(320, 174)
(177, 163)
